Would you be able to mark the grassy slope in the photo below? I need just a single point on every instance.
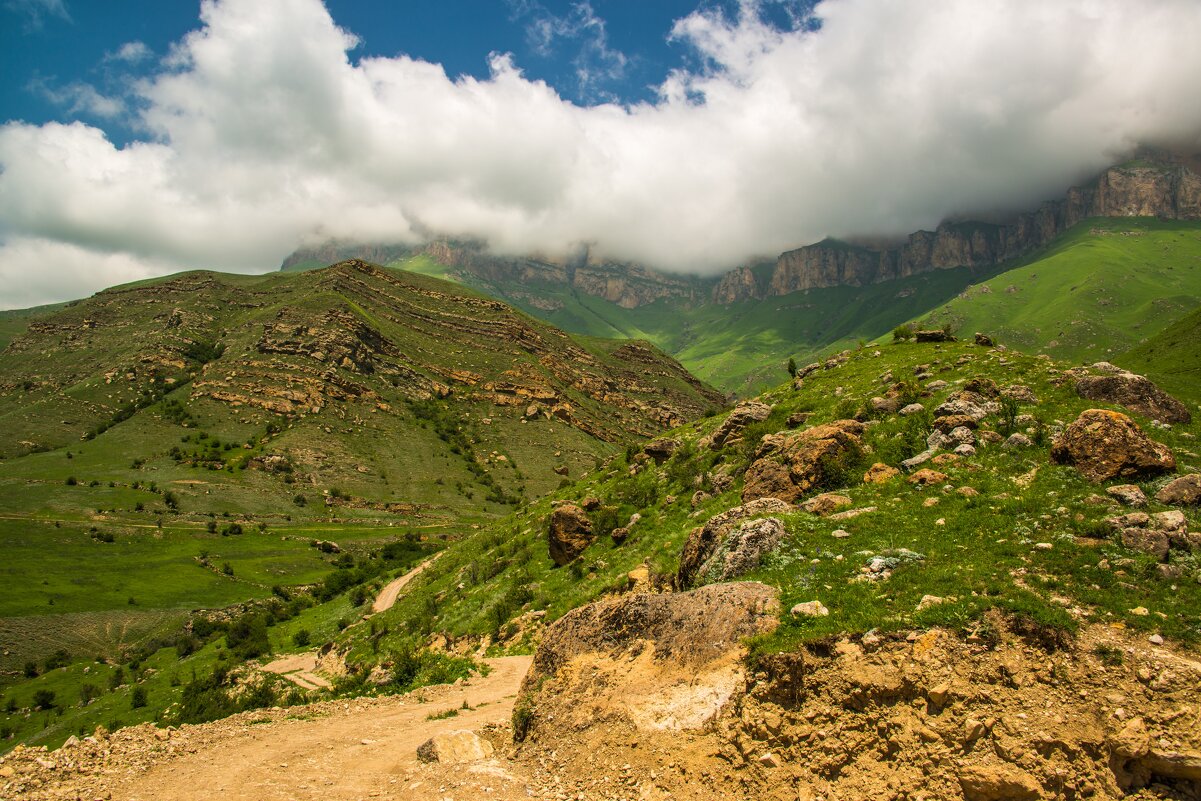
(1172, 357)
(57, 505)
(975, 547)
(1104, 287)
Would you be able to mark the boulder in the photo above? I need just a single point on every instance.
(730, 430)
(704, 542)
(787, 465)
(1133, 392)
(983, 340)
(1104, 445)
(741, 551)
(880, 473)
(810, 609)
(454, 747)
(569, 533)
(913, 408)
(1155, 534)
(933, 336)
(661, 449)
(1182, 491)
(950, 422)
(926, 477)
(1018, 440)
(825, 503)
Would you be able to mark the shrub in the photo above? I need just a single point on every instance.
(71, 481)
(43, 699)
(302, 638)
(902, 333)
(138, 699)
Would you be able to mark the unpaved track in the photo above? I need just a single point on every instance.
(389, 594)
(351, 753)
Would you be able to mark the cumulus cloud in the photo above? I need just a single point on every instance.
(131, 52)
(873, 117)
(79, 97)
(596, 63)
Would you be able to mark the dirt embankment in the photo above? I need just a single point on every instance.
(1019, 715)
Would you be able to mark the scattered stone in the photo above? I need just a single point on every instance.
(1155, 639)
(825, 503)
(939, 693)
(569, 533)
(973, 730)
(919, 459)
(1103, 445)
(949, 422)
(1182, 491)
(454, 747)
(1128, 494)
(933, 336)
(983, 340)
(849, 513)
(810, 609)
(840, 534)
(797, 419)
(619, 535)
(1133, 392)
(591, 503)
(926, 477)
(965, 450)
(880, 567)
(769, 760)
(913, 408)
(884, 405)
(1018, 440)
(699, 497)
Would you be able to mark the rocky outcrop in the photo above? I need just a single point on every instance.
(787, 465)
(454, 747)
(1103, 445)
(704, 541)
(737, 285)
(1133, 392)
(569, 533)
(730, 430)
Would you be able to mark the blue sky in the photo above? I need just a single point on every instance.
(144, 138)
(590, 52)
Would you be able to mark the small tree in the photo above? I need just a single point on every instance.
(792, 367)
(138, 699)
(43, 699)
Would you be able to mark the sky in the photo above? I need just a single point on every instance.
(142, 138)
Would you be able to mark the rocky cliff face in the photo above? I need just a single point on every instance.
(1142, 189)
(1157, 190)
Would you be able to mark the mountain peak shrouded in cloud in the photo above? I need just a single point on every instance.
(864, 118)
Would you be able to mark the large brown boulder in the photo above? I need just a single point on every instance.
(705, 540)
(789, 464)
(730, 430)
(569, 533)
(1133, 392)
(1104, 445)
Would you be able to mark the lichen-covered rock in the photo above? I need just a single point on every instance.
(706, 540)
(1182, 491)
(880, 473)
(730, 430)
(569, 533)
(1133, 392)
(1127, 494)
(1103, 445)
(741, 551)
(787, 465)
(661, 449)
(825, 503)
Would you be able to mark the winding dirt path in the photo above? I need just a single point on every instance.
(338, 751)
(390, 593)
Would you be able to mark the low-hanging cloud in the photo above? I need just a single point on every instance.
(876, 117)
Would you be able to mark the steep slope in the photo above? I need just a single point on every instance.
(1102, 288)
(1172, 357)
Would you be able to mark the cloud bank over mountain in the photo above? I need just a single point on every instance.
(872, 117)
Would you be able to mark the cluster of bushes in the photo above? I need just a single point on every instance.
(451, 430)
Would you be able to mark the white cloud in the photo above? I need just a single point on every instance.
(132, 52)
(887, 117)
(596, 63)
(79, 97)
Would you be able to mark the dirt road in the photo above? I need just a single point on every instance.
(391, 592)
(337, 751)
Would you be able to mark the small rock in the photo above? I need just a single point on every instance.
(880, 473)
(769, 760)
(825, 503)
(1043, 546)
(1182, 491)
(928, 601)
(973, 730)
(938, 694)
(1018, 440)
(1155, 639)
(913, 408)
(840, 534)
(810, 609)
(927, 477)
(1129, 494)
(454, 747)
(983, 340)
(1140, 611)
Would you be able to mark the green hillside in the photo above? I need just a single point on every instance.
(182, 443)
(1100, 290)
(1172, 357)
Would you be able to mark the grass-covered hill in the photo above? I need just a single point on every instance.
(1003, 528)
(183, 443)
(1104, 286)
(1173, 356)
(949, 542)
